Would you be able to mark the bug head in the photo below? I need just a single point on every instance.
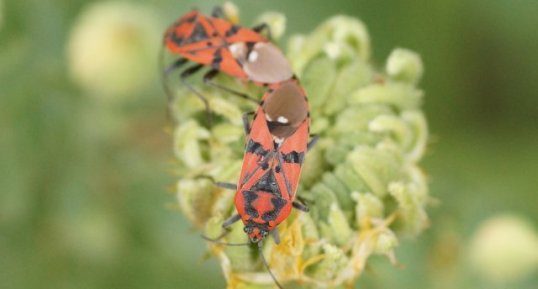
(255, 233)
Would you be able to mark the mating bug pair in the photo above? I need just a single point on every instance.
(277, 138)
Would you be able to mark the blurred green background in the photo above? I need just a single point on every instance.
(84, 178)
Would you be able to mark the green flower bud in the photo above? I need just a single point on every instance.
(361, 181)
(385, 243)
(369, 208)
(276, 22)
(196, 199)
(404, 65)
(231, 11)
(340, 37)
(337, 228)
(334, 261)
(187, 143)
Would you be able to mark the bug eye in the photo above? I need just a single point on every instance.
(245, 229)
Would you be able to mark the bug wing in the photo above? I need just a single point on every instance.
(234, 33)
(259, 144)
(190, 36)
(183, 27)
(246, 35)
(291, 154)
(230, 65)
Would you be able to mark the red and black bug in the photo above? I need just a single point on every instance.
(276, 145)
(222, 46)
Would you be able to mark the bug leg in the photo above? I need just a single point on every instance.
(246, 124)
(226, 185)
(208, 79)
(312, 141)
(264, 26)
(183, 77)
(218, 12)
(167, 71)
(175, 65)
(276, 235)
(216, 239)
(226, 225)
(300, 206)
(303, 200)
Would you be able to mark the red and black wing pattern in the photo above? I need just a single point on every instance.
(190, 33)
(194, 38)
(257, 150)
(251, 201)
(206, 40)
(234, 33)
(230, 34)
(291, 154)
(286, 159)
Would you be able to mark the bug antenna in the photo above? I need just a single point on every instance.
(216, 241)
(267, 266)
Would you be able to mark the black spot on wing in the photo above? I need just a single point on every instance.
(191, 19)
(250, 46)
(256, 148)
(274, 124)
(278, 204)
(198, 34)
(232, 31)
(217, 59)
(269, 216)
(249, 197)
(267, 183)
(293, 157)
(176, 39)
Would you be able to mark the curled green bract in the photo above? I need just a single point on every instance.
(361, 181)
